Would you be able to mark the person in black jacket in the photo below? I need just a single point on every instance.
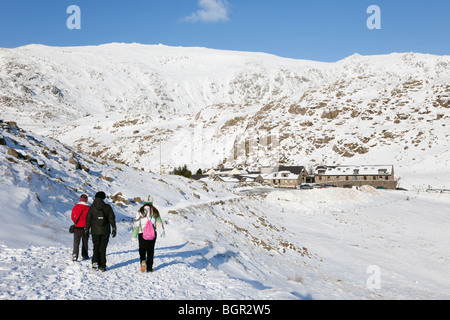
(100, 218)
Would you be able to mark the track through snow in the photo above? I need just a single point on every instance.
(48, 273)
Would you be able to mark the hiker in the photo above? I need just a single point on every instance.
(100, 219)
(79, 213)
(147, 213)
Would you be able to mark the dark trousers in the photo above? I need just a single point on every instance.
(78, 235)
(147, 251)
(100, 242)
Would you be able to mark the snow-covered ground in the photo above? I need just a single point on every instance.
(219, 252)
(221, 242)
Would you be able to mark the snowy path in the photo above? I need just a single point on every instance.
(180, 273)
(47, 273)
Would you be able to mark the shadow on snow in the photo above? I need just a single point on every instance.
(175, 255)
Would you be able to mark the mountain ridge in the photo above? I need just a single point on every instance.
(212, 106)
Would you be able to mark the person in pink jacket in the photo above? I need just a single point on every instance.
(79, 213)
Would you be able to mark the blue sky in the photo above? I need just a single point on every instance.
(323, 30)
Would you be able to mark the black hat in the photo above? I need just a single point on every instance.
(100, 195)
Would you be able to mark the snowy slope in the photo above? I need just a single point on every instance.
(221, 243)
(117, 101)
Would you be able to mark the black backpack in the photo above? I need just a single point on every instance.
(99, 218)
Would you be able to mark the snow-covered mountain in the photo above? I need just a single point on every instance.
(157, 107)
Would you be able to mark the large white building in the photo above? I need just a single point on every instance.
(378, 176)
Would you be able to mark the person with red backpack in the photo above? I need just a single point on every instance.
(147, 224)
(79, 213)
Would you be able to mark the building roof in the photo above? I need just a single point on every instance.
(350, 170)
(226, 171)
(199, 176)
(226, 179)
(294, 169)
(279, 175)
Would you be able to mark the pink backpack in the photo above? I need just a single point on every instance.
(149, 231)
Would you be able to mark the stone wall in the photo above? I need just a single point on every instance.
(388, 184)
(384, 181)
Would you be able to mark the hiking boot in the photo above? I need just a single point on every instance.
(74, 257)
(95, 265)
(102, 269)
(143, 266)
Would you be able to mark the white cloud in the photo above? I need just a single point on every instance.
(210, 11)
